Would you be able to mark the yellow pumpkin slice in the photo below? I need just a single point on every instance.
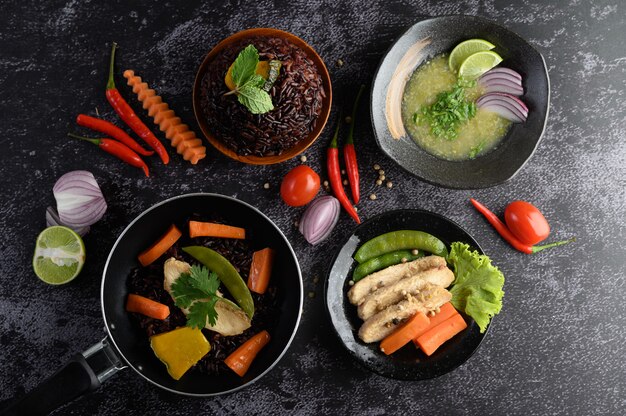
(180, 349)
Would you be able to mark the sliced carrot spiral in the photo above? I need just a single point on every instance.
(183, 139)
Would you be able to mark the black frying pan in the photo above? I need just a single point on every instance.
(126, 346)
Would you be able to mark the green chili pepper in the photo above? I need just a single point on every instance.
(383, 261)
(227, 274)
(399, 240)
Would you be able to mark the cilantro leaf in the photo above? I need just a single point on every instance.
(255, 99)
(477, 287)
(203, 280)
(200, 311)
(244, 66)
(184, 291)
(196, 291)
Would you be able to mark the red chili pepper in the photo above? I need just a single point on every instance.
(502, 229)
(334, 175)
(349, 154)
(112, 130)
(127, 114)
(117, 149)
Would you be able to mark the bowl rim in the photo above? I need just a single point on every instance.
(447, 185)
(288, 153)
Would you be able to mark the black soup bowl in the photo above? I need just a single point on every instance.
(126, 345)
(435, 36)
(408, 363)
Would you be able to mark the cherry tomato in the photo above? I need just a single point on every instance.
(300, 185)
(526, 222)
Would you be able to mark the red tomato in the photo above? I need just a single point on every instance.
(526, 222)
(300, 185)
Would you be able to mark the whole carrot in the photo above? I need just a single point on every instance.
(334, 175)
(127, 114)
(349, 154)
(112, 130)
(503, 230)
(117, 149)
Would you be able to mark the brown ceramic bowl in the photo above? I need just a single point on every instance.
(302, 145)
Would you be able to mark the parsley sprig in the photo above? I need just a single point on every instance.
(447, 113)
(196, 291)
(249, 84)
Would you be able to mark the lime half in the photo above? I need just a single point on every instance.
(59, 255)
(477, 64)
(464, 49)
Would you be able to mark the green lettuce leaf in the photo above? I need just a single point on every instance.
(477, 287)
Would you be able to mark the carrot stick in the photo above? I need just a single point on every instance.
(433, 339)
(211, 229)
(405, 333)
(239, 361)
(157, 249)
(261, 270)
(445, 311)
(147, 307)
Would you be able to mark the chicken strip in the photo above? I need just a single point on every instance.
(391, 275)
(394, 293)
(378, 326)
(231, 319)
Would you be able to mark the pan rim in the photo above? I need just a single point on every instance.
(106, 322)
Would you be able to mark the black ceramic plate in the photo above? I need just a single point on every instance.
(438, 35)
(407, 363)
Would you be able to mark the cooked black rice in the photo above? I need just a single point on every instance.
(297, 97)
(148, 282)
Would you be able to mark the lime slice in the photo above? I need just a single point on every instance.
(464, 49)
(477, 64)
(59, 255)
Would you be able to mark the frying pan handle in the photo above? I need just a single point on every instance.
(82, 374)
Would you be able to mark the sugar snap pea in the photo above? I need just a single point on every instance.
(399, 240)
(226, 273)
(383, 261)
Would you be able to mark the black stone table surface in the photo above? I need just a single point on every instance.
(558, 346)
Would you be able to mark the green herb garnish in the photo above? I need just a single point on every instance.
(249, 84)
(475, 150)
(197, 290)
(447, 113)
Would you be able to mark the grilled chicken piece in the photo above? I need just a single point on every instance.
(231, 319)
(378, 326)
(394, 293)
(390, 275)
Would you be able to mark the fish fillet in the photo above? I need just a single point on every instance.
(378, 326)
(394, 293)
(390, 275)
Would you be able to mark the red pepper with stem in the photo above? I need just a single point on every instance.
(503, 230)
(112, 130)
(127, 114)
(349, 153)
(117, 149)
(334, 175)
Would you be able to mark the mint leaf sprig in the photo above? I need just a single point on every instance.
(249, 84)
(197, 290)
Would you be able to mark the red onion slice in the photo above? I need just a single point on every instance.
(505, 105)
(503, 80)
(319, 219)
(80, 202)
